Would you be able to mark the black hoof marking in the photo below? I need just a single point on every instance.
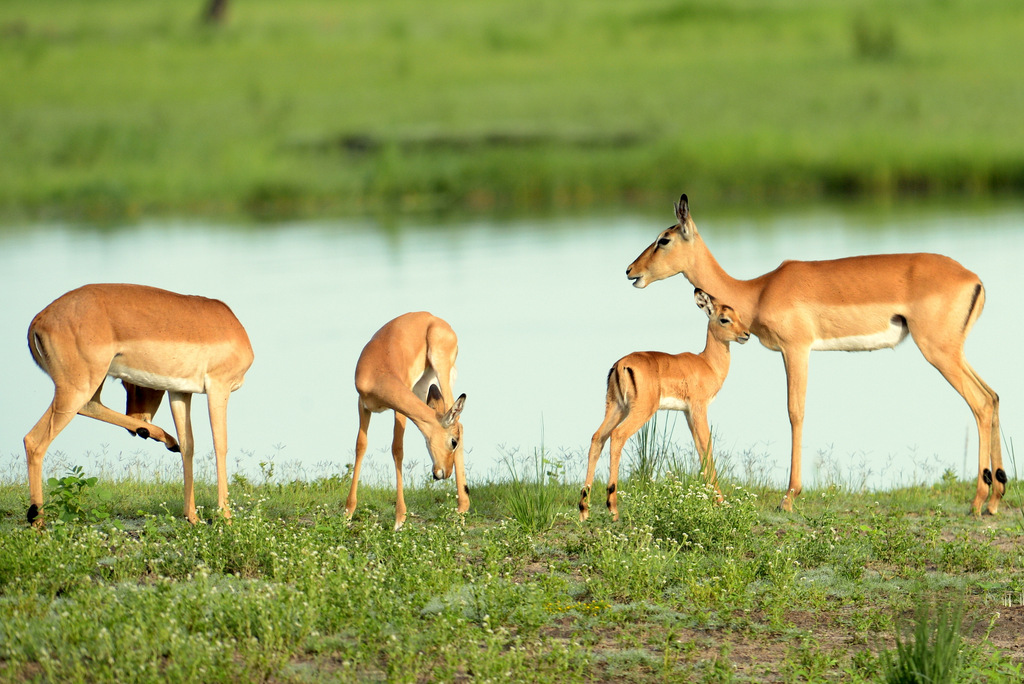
(1000, 475)
(465, 488)
(608, 504)
(176, 449)
(611, 489)
(143, 433)
(33, 513)
(582, 507)
(986, 475)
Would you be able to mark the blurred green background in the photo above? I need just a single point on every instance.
(112, 109)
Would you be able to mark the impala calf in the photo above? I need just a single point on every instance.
(853, 304)
(643, 382)
(153, 341)
(400, 368)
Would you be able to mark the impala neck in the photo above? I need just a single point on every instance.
(709, 276)
(716, 355)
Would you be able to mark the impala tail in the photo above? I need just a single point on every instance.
(622, 388)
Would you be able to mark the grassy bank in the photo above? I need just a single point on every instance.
(680, 590)
(117, 108)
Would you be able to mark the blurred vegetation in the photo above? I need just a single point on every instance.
(119, 108)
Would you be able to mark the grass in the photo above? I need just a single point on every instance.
(681, 589)
(113, 109)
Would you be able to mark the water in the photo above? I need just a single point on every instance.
(542, 309)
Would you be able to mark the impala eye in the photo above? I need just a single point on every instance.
(663, 241)
(723, 321)
(455, 444)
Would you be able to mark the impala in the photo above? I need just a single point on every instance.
(154, 341)
(643, 382)
(400, 369)
(858, 303)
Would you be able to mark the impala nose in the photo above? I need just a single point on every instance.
(439, 474)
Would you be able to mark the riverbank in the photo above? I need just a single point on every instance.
(114, 109)
(681, 589)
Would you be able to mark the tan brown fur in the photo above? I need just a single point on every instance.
(402, 368)
(176, 343)
(639, 384)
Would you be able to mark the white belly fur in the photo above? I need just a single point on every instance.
(147, 379)
(673, 404)
(884, 339)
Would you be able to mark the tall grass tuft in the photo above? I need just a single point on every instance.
(932, 654)
(535, 500)
(651, 450)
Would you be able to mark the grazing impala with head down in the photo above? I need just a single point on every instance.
(643, 382)
(400, 368)
(854, 304)
(154, 341)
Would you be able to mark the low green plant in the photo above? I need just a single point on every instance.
(629, 563)
(968, 551)
(67, 497)
(687, 510)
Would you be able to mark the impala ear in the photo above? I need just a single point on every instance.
(454, 412)
(705, 302)
(686, 227)
(434, 399)
(683, 208)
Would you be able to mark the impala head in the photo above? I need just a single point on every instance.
(723, 322)
(444, 442)
(670, 254)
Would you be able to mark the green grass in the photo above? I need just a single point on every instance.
(119, 108)
(681, 589)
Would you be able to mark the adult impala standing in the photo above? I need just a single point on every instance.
(854, 304)
(400, 368)
(148, 338)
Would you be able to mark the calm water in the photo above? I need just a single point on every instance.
(542, 309)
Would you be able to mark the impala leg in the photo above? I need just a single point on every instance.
(141, 403)
(95, 409)
(984, 404)
(697, 419)
(461, 488)
(995, 446)
(398, 453)
(364, 424)
(181, 412)
(218, 400)
(626, 429)
(65, 405)
(796, 361)
(612, 417)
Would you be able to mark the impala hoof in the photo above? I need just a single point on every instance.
(33, 513)
(176, 449)
(143, 433)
